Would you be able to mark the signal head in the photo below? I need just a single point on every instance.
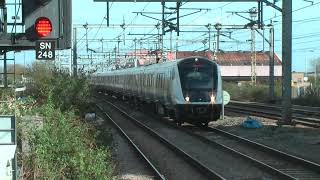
(43, 27)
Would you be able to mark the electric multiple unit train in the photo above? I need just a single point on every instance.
(188, 89)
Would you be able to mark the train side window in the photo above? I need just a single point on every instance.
(162, 80)
(172, 73)
(157, 81)
(152, 80)
(147, 80)
(144, 80)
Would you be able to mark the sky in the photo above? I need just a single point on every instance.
(306, 28)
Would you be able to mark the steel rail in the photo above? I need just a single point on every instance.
(261, 164)
(270, 151)
(136, 148)
(207, 171)
(303, 110)
(312, 165)
(262, 148)
(271, 114)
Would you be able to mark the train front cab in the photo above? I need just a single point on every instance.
(199, 84)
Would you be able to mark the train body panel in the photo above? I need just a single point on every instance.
(190, 87)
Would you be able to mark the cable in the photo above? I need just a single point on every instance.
(15, 18)
(293, 11)
(98, 28)
(104, 17)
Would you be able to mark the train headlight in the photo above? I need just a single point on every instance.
(187, 99)
(213, 99)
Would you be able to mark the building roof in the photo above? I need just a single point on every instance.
(232, 58)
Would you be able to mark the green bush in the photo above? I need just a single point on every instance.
(64, 146)
(67, 92)
(247, 92)
(65, 149)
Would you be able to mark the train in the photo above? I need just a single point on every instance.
(188, 89)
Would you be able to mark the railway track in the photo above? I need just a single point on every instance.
(275, 162)
(301, 115)
(292, 166)
(135, 147)
(190, 165)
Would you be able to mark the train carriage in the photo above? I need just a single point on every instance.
(189, 89)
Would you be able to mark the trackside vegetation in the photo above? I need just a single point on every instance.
(60, 144)
(310, 98)
(260, 93)
(247, 92)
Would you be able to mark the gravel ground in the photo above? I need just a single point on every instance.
(300, 141)
(128, 165)
(171, 166)
(229, 166)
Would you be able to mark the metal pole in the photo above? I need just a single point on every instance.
(70, 61)
(222, 105)
(108, 14)
(115, 55)
(118, 46)
(158, 47)
(163, 20)
(177, 48)
(87, 44)
(178, 18)
(109, 61)
(59, 61)
(315, 77)
(209, 28)
(286, 61)
(170, 41)
(75, 54)
(102, 45)
(253, 57)
(5, 71)
(271, 64)
(163, 26)
(5, 16)
(135, 49)
(218, 40)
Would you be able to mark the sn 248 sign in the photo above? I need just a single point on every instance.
(45, 50)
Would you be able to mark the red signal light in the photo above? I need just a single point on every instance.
(43, 26)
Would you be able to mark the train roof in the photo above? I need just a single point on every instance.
(166, 64)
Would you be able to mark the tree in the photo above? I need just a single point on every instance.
(315, 68)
